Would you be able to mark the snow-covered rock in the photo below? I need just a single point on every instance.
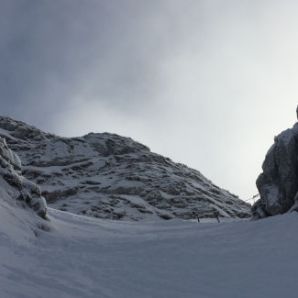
(108, 176)
(278, 184)
(16, 189)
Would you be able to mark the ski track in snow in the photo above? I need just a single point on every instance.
(88, 257)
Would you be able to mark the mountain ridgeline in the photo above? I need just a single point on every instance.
(108, 176)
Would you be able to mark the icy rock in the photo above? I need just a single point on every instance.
(24, 190)
(278, 184)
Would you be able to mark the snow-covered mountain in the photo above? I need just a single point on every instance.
(108, 176)
(47, 253)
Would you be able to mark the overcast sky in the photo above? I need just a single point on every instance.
(207, 83)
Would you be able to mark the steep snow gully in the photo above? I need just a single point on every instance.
(46, 253)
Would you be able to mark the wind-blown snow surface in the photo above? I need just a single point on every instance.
(108, 176)
(87, 257)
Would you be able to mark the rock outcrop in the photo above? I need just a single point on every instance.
(108, 176)
(278, 184)
(16, 187)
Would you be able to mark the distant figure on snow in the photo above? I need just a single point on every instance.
(297, 112)
(216, 214)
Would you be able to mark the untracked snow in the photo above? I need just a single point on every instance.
(81, 257)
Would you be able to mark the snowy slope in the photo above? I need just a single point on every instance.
(51, 253)
(83, 257)
(109, 176)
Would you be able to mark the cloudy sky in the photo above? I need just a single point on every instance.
(207, 83)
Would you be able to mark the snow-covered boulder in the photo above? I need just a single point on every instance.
(15, 186)
(278, 184)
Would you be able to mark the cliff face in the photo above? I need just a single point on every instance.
(278, 184)
(108, 176)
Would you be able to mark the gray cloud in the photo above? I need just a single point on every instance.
(207, 83)
(54, 51)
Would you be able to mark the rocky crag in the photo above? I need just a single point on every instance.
(108, 176)
(14, 188)
(278, 184)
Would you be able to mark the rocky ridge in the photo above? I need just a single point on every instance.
(108, 176)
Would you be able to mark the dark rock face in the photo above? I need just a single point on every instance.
(278, 184)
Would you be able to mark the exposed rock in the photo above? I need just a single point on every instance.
(278, 184)
(109, 176)
(18, 186)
